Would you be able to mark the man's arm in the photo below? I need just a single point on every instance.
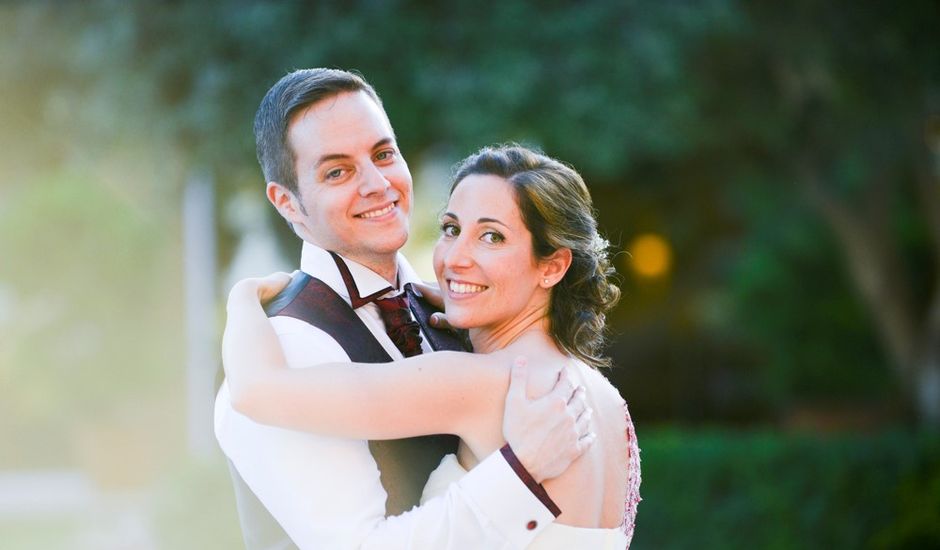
(325, 496)
(488, 508)
(503, 499)
(324, 492)
(329, 496)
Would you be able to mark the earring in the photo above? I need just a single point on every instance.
(545, 281)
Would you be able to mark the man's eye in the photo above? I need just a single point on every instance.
(385, 155)
(334, 173)
(450, 230)
(493, 237)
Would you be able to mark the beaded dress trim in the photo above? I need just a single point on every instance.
(634, 478)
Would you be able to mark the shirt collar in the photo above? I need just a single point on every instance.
(317, 262)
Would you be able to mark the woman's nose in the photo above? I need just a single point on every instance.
(459, 254)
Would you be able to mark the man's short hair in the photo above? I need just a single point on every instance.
(293, 93)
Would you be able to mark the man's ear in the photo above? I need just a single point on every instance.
(286, 203)
(554, 267)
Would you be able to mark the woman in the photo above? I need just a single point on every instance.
(521, 266)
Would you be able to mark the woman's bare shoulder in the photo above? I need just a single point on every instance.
(599, 386)
(479, 369)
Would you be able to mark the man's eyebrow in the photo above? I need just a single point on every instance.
(337, 156)
(383, 142)
(328, 158)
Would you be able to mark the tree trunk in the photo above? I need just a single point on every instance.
(873, 269)
(912, 347)
(929, 190)
(199, 266)
(928, 392)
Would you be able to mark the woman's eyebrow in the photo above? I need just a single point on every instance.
(480, 220)
(492, 220)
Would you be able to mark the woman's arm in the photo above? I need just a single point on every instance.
(443, 392)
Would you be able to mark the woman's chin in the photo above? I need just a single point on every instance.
(457, 319)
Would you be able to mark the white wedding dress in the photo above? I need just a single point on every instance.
(557, 536)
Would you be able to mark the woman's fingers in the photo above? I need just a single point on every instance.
(439, 320)
(431, 293)
(518, 379)
(270, 286)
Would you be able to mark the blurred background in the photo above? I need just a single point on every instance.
(768, 174)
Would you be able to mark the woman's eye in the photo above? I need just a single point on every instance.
(493, 237)
(334, 173)
(450, 230)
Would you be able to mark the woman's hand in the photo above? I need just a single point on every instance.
(257, 290)
(432, 293)
(272, 285)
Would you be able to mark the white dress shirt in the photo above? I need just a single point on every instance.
(325, 491)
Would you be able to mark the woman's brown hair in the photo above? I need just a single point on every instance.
(557, 209)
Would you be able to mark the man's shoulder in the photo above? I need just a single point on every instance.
(285, 325)
(305, 344)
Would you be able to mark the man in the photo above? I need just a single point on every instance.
(334, 172)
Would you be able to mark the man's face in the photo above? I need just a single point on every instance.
(354, 187)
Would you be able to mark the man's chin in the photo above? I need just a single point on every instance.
(390, 243)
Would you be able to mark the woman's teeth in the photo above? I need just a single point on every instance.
(377, 213)
(465, 288)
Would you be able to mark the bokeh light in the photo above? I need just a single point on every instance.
(650, 256)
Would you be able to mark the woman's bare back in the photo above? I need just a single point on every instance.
(593, 491)
(596, 484)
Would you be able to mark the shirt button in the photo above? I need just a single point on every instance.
(532, 525)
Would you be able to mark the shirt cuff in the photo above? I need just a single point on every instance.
(537, 489)
(509, 505)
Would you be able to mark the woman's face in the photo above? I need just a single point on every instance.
(483, 259)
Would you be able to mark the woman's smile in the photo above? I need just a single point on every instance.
(460, 289)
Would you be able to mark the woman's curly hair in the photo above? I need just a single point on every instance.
(557, 209)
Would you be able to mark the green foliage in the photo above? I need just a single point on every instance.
(85, 339)
(696, 120)
(917, 523)
(40, 535)
(598, 84)
(764, 490)
(194, 508)
(793, 300)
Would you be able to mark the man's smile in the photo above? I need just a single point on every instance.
(377, 212)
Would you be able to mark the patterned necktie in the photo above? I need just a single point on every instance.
(400, 327)
(404, 332)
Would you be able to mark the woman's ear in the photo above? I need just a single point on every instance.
(554, 267)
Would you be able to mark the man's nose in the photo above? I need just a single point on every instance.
(373, 181)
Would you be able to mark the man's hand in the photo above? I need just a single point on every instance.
(549, 433)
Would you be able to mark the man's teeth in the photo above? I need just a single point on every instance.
(377, 213)
(465, 288)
